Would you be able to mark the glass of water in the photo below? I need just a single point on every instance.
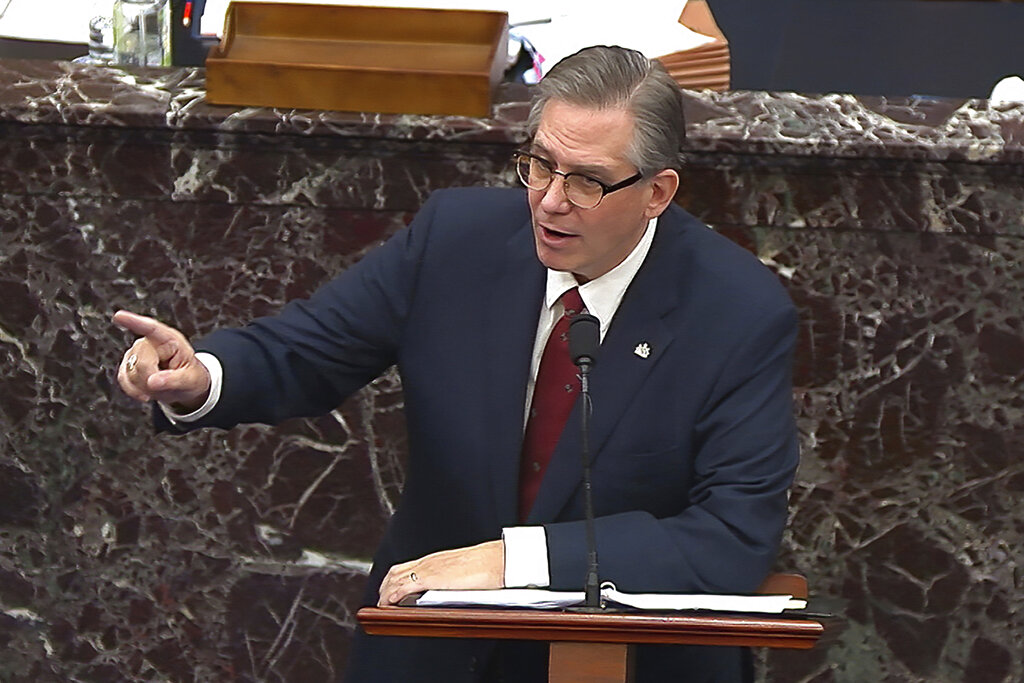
(142, 32)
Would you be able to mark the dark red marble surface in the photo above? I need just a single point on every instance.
(238, 555)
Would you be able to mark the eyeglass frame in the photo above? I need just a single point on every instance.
(605, 187)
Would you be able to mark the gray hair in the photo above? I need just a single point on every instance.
(604, 77)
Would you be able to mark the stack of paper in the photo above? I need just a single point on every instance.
(530, 598)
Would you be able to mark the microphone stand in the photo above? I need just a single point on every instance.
(583, 348)
(592, 586)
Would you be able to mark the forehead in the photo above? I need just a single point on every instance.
(580, 136)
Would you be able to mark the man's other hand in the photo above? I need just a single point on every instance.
(478, 567)
(161, 365)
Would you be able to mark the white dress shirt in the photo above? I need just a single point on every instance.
(526, 548)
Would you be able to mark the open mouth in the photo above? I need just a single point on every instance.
(556, 234)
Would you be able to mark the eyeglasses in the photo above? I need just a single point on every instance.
(581, 190)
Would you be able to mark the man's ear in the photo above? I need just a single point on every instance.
(663, 190)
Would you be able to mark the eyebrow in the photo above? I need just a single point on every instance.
(598, 172)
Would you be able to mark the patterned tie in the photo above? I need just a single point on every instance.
(553, 396)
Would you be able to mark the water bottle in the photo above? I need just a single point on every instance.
(142, 32)
(101, 34)
(101, 40)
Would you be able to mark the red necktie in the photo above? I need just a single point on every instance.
(553, 396)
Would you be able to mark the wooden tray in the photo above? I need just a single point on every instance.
(378, 59)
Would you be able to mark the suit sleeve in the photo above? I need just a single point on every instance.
(307, 359)
(745, 456)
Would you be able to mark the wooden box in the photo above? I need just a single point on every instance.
(376, 59)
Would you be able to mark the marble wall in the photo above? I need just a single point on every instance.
(238, 555)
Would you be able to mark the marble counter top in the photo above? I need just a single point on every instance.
(827, 126)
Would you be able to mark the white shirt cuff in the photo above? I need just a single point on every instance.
(216, 371)
(526, 557)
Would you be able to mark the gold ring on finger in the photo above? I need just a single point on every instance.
(413, 577)
(130, 364)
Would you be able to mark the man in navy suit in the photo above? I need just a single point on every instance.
(693, 439)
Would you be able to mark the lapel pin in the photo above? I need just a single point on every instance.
(642, 349)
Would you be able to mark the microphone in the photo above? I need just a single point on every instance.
(584, 338)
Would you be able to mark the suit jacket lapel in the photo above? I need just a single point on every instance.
(511, 326)
(620, 372)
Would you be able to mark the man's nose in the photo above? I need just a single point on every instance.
(555, 199)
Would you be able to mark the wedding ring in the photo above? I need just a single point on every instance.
(413, 576)
(132, 360)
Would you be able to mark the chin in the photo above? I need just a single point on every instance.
(553, 261)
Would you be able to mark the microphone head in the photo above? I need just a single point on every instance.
(584, 338)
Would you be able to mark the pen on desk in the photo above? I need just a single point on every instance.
(532, 22)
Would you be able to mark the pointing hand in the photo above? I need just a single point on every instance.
(161, 365)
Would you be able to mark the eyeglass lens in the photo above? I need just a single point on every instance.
(579, 190)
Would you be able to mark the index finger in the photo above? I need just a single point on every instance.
(143, 326)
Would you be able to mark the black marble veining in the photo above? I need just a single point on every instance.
(221, 556)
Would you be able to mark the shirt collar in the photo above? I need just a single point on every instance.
(603, 295)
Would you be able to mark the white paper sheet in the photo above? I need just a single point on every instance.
(527, 598)
(62, 21)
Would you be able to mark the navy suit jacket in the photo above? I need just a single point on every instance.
(693, 443)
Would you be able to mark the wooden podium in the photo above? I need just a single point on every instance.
(594, 648)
